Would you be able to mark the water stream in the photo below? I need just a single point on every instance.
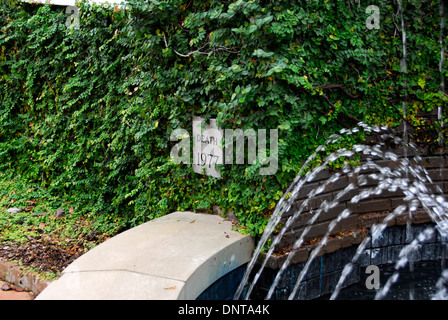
(406, 176)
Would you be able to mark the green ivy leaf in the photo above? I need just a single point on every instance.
(422, 81)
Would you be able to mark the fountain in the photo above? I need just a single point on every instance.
(402, 173)
(406, 175)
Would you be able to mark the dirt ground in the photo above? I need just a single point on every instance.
(43, 255)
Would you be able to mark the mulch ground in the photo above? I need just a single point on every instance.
(43, 255)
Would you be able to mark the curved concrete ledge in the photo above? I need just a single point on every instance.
(176, 256)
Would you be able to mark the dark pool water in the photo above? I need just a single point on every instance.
(417, 285)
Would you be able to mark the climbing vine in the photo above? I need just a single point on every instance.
(87, 112)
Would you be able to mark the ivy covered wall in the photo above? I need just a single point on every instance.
(87, 112)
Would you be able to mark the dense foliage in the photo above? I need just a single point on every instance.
(87, 113)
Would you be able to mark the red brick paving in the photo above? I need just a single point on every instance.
(14, 295)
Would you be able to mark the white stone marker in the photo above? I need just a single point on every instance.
(207, 147)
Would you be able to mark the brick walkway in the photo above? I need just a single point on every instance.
(14, 295)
